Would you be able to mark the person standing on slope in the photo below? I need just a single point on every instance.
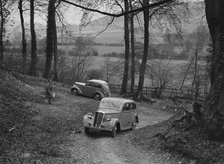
(49, 91)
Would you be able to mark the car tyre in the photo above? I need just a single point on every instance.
(74, 91)
(134, 123)
(97, 96)
(87, 131)
(114, 131)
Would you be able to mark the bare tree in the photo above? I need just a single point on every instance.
(188, 67)
(51, 35)
(127, 49)
(160, 74)
(24, 44)
(33, 62)
(112, 70)
(214, 14)
(4, 13)
(80, 59)
(1, 31)
(200, 42)
(145, 51)
(117, 13)
(193, 69)
(132, 30)
(55, 45)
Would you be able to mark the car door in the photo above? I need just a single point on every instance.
(87, 88)
(127, 117)
(96, 88)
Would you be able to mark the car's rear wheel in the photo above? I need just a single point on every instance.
(134, 123)
(87, 131)
(74, 91)
(97, 96)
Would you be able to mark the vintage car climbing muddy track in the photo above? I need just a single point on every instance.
(101, 148)
(54, 134)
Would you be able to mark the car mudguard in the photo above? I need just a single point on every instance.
(101, 94)
(75, 87)
(115, 121)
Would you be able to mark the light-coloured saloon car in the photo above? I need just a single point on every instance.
(113, 114)
(97, 89)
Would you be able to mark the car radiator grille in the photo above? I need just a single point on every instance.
(98, 119)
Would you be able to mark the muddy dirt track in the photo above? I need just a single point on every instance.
(100, 147)
(53, 133)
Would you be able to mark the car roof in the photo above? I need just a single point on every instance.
(97, 81)
(117, 99)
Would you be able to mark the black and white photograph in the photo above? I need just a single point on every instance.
(111, 81)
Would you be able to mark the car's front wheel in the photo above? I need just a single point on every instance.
(97, 96)
(114, 131)
(74, 91)
(87, 131)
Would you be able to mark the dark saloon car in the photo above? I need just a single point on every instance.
(97, 89)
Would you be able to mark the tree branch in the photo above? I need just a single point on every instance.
(108, 24)
(119, 5)
(153, 5)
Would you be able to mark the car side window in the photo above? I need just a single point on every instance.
(96, 85)
(126, 107)
(133, 106)
(88, 84)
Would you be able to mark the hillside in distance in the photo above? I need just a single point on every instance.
(114, 33)
(101, 32)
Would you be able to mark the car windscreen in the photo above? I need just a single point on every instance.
(110, 105)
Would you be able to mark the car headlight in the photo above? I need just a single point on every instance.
(106, 119)
(90, 115)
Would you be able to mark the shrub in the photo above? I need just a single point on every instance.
(94, 74)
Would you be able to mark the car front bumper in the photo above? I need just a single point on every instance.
(105, 126)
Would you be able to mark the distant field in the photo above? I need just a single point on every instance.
(108, 49)
(101, 49)
(110, 37)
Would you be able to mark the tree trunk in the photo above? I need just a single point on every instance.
(195, 77)
(33, 63)
(1, 32)
(55, 49)
(185, 75)
(24, 49)
(146, 46)
(50, 37)
(132, 52)
(215, 14)
(127, 51)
